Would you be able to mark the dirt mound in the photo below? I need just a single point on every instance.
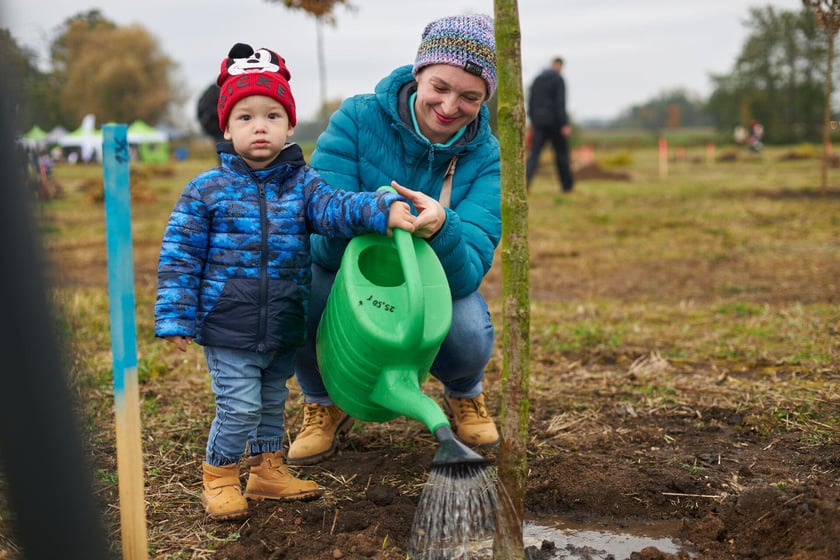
(594, 171)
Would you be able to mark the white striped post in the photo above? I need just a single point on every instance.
(124, 340)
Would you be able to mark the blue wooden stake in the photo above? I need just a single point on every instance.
(124, 340)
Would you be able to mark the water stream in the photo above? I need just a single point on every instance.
(455, 519)
(456, 510)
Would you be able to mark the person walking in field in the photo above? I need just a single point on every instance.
(234, 275)
(550, 124)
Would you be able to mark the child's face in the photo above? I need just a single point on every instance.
(258, 126)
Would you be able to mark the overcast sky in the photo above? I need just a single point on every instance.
(618, 52)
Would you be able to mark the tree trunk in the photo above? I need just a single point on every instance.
(512, 461)
(322, 70)
(827, 111)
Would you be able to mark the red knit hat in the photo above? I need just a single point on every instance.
(248, 72)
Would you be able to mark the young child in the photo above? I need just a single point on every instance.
(234, 275)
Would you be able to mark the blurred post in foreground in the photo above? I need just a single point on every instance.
(48, 479)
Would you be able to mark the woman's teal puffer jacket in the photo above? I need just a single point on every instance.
(367, 144)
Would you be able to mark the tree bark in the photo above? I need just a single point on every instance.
(512, 460)
(827, 112)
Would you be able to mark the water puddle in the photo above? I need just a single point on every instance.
(455, 520)
(561, 539)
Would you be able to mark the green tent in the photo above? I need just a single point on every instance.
(35, 138)
(152, 144)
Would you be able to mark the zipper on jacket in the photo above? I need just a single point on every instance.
(263, 301)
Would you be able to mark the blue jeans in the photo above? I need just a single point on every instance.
(250, 390)
(459, 364)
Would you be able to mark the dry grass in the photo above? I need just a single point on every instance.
(715, 288)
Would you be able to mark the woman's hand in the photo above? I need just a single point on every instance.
(431, 215)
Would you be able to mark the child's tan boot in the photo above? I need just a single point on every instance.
(270, 479)
(222, 494)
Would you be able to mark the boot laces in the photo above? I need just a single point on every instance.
(313, 415)
(471, 408)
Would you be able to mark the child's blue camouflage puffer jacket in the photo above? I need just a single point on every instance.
(234, 265)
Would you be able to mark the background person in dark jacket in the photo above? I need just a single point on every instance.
(549, 123)
(208, 116)
(234, 274)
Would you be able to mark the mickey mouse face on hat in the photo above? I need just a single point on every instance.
(247, 72)
(261, 60)
(243, 59)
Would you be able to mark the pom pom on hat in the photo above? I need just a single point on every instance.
(247, 72)
(466, 41)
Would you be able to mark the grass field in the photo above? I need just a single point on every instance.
(727, 236)
(731, 264)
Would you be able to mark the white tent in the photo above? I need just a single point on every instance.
(146, 142)
(85, 140)
(56, 134)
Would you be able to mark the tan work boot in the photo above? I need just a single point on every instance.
(269, 479)
(222, 493)
(472, 421)
(319, 433)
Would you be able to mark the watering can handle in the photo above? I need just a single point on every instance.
(415, 318)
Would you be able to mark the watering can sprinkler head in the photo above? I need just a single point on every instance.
(453, 452)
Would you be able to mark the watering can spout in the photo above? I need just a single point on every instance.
(452, 451)
(399, 390)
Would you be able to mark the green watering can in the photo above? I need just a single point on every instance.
(387, 314)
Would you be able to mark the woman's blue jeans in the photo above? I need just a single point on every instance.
(459, 364)
(250, 390)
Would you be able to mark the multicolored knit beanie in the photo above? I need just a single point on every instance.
(248, 72)
(467, 42)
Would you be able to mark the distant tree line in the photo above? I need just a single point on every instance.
(120, 74)
(117, 73)
(669, 110)
(778, 79)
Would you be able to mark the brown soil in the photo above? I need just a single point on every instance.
(601, 451)
(694, 461)
(614, 439)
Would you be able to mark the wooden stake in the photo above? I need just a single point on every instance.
(124, 340)
(663, 158)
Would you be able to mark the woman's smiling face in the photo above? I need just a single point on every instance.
(447, 99)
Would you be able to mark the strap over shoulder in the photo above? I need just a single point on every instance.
(446, 190)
